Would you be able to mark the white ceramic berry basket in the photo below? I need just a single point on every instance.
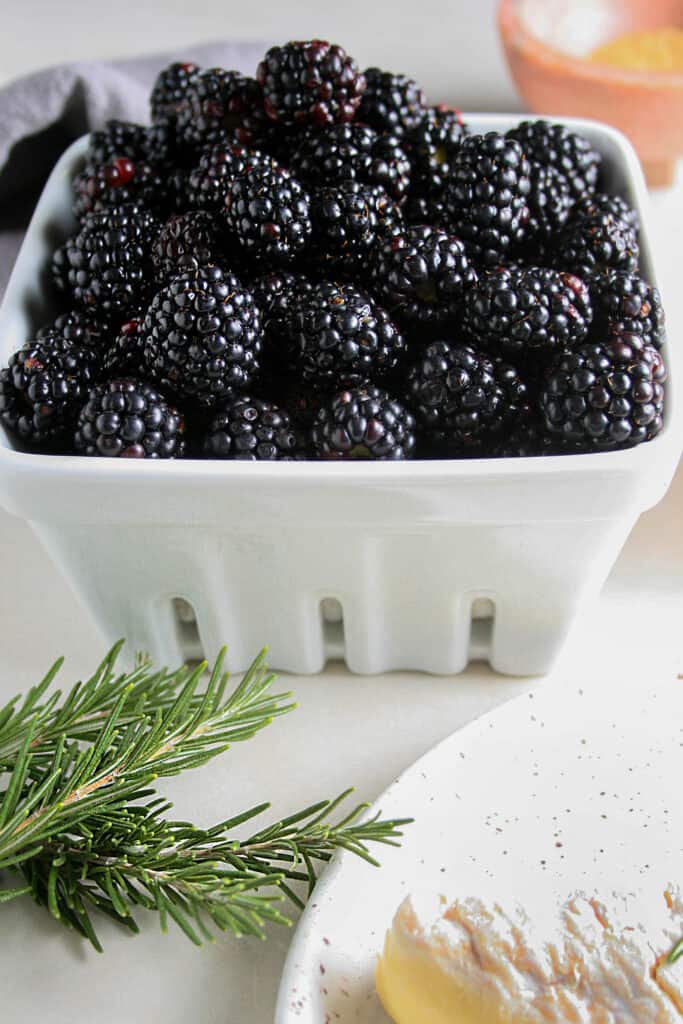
(415, 565)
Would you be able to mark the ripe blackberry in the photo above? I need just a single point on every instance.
(118, 138)
(301, 399)
(526, 438)
(43, 387)
(529, 438)
(154, 144)
(486, 195)
(177, 191)
(252, 429)
(429, 210)
(591, 242)
(107, 265)
(555, 146)
(203, 336)
(310, 83)
(59, 269)
(185, 242)
(128, 419)
(599, 202)
(207, 183)
(349, 222)
(342, 338)
(550, 203)
(79, 326)
(605, 395)
(463, 398)
(170, 90)
(352, 152)
(125, 356)
(523, 311)
(422, 275)
(432, 144)
(222, 106)
(364, 423)
(391, 103)
(163, 150)
(268, 212)
(276, 295)
(627, 308)
(120, 180)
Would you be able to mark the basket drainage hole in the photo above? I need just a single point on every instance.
(332, 617)
(186, 629)
(482, 617)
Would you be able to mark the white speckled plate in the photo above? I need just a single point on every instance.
(580, 787)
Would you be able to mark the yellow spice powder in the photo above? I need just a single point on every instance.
(659, 50)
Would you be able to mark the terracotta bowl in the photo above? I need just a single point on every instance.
(546, 43)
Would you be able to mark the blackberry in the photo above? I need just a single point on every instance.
(42, 388)
(605, 395)
(595, 241)
(222, 106)
(423, 210)
(486, 195)
(252, 429)
(79, 326)
(391, 103)
(207, 183)
(364, 423)
(107, 265)
(342, 338)
(170, 89)
(121, 180)
(422, 275)
(463, 398)
(128, 419)
(177, 191)
(555, 146)
(268, 212)
(550, 203)
(432, 144)
(59, 268)
(276, 295)
(118, 139)
(599, 202)
(301, 399)
(310, 83)
(523, 311)
(163, 150)
(125, 356)
(529, 438)
(349, 222)
(185, 242)
(154, 144)
(352, 152)
(627, 308)
(203, 336)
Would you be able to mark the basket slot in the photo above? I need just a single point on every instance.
(481, 638)
(186, 629)
(332, 618)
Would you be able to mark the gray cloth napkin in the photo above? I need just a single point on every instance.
(42, 113)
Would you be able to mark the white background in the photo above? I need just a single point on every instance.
(450, 46)
(347, 729)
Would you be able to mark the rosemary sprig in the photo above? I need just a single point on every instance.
(676, 953)
(80, 823)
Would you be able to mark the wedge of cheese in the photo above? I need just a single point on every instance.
(586, 959)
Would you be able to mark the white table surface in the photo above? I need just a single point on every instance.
(347, 729)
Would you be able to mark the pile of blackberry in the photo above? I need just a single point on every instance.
(314, 263)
